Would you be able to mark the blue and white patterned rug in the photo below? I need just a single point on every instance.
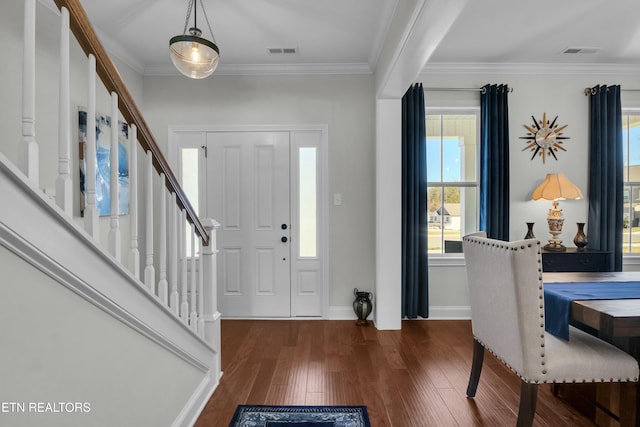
(300, 416)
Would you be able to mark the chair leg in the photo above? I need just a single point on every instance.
(528, 398)
(476, 368)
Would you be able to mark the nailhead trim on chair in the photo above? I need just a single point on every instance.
(541, 307)
(472, 239)
(574, 381)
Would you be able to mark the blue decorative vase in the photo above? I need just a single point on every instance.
(362, 306)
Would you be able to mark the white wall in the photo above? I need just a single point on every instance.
(561, 95)
(57, 347)
(344, 103)
(388, 310)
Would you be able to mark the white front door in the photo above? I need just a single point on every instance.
(248, 188)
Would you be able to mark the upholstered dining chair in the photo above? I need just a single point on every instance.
(507, 318)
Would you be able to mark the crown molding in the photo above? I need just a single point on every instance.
(378, 44)
(269, 69)
(530, 68)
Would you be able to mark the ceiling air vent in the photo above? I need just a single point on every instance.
(283, 50)
(581, 50)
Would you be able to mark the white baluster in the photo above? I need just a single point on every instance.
(184, 305)
(210, 297)
(90, 210)
(64, 185)
(162, 262)
(134, 252)
(173, 259)
(149, 270)
(201, 291)
(193, 317)
(28, 159)
(115, 245)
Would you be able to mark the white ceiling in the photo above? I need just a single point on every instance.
(347, 35)
(521, 34)
(329, 34)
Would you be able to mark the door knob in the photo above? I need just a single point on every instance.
(283, 226)
(284, 239)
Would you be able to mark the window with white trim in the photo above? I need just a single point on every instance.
(452, 177)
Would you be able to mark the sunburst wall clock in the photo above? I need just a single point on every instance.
(543, 138)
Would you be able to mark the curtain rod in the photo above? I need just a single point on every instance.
(461, 89)
(591, 91)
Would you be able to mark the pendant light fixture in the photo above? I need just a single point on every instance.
(192, 55)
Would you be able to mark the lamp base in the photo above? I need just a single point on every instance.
(555, 221)
(554, 247)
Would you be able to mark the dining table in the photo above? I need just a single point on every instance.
(615, 320)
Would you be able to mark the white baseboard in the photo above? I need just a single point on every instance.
(196, 403)
(342, 313)
(435, 313)
(450, 313)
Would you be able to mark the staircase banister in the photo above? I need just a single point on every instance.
(110, 77)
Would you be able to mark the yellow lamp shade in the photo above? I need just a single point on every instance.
(556, 186)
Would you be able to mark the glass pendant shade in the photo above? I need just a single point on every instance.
(194, 56)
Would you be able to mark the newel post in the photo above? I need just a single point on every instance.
(210, 289)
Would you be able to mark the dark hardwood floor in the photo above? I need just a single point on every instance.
(410, 378)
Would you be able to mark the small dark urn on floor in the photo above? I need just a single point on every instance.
(581, 239)
(362, 305)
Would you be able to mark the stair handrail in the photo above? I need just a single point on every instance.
(110, 77)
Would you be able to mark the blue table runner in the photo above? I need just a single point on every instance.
(558, 298)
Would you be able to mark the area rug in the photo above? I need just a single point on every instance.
(300, 416)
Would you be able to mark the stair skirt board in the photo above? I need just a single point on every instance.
(35, 229)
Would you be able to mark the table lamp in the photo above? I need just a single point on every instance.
(556, 187)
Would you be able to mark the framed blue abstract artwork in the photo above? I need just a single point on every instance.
(103, 166)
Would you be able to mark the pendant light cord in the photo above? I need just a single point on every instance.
(206, 18)
(195, 15)
(186, 20)
(193, 7)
